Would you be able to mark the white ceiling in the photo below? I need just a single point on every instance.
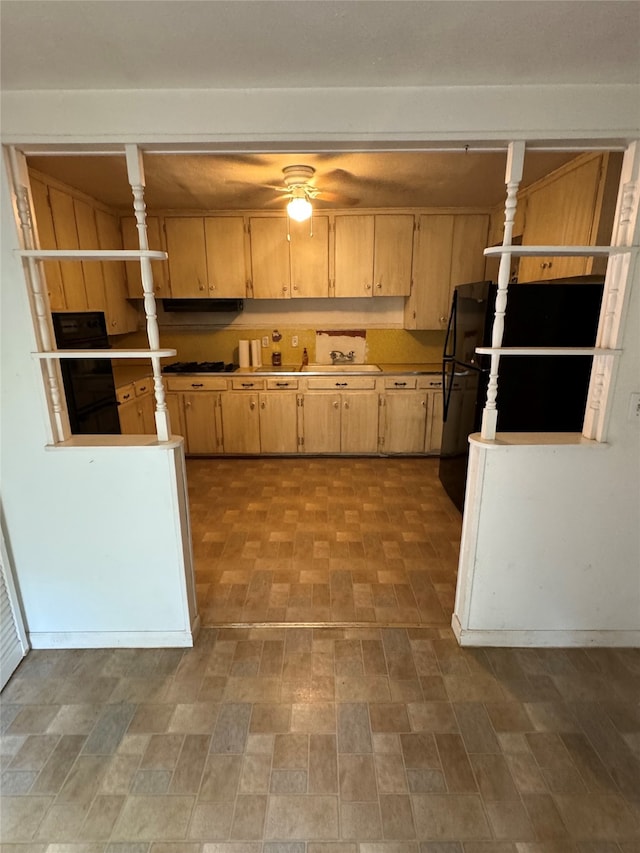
(113, 44)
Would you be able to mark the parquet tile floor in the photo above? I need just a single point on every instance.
(315, 541)
(386, 737)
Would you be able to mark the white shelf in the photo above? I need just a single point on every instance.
(546, 351)
(556, 251)
(106, 353)
(91, 254)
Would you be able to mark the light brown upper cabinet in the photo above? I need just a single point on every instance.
(121, 315)
(64, 225)
(47, 240)
(572, 207)
(449, 251)
(158, 268)
(373, 254)
(206, 256)
(295, 268)
(94, 284)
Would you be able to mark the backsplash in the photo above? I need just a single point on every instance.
(387, 346)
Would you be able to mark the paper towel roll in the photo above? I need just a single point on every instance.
(256, 353)
(243, 353)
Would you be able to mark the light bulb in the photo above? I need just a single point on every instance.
(299, 209)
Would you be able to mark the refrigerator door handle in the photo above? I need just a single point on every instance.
(451, 328)
(447, 386)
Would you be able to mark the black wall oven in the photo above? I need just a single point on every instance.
(88, 382)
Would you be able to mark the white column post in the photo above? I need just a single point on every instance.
(38, 295)
(135, 172)
(616, 293)
(513, 176)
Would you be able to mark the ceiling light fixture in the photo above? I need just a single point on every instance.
(299, 208)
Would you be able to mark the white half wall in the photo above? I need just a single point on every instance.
(100, 535)
(551, 533)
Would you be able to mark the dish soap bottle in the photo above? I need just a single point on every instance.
(305, 356)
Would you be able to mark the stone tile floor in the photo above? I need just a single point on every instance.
(385, 737)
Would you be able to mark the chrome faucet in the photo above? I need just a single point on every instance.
(338, 357)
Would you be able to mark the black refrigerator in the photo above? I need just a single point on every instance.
(535, 393)
(88, 382)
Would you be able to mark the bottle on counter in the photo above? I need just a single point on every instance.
(305, 356)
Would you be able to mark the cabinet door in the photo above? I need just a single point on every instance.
(269, 258)
(321, 423)
(310, 258)
(47, 240)
(561, 213)
(393, 253)
(176, 415)
(91, 270)
(240, 422)
(433, 443)
(159, 268)
(64, 224)
(200, 422)
(470, 234)
(187, 256)
(147, 405)
(121, 315)
(226, 268)
(354, 255)
(359, 430)
(428, 305)
(405, 418)
(130, 418)
(278, 422)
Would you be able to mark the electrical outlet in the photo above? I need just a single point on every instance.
(634, 407)
(294, 340)
(265, 341)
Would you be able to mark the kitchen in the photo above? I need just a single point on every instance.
(395, 410)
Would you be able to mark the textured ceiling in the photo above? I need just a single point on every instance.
(249, 181)
(132, 44)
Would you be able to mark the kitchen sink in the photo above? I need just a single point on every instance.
(341, 368)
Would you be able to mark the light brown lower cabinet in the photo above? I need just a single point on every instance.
(254, 423)
(136, 408)
(194, 412)
(344, 422)
(403, 422)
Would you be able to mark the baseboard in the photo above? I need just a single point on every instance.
(545, 639)
(113, 639)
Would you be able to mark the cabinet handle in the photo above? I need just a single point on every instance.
(295, 286)
(126, 396)
(443, 319)
(284, 289)
(379, 286)
(188, 404)
(282, 384)
(212, 287)
(336, 404)
(201, 287)
(197, 384)
(367, 287)
(247, 384)
(143, 388)
(400, 384)
(263, 405)
(252, 405)
(424, 404)
(346, 405)
(341, 384)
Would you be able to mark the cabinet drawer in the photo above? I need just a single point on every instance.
(428, 382)
(143, 386)
(196, 383)
(401, 383)
(125, 393)
(247, 384)
(341, 383)
(282, 384)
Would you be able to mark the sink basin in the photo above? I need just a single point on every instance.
(283, 368)
(341, 368)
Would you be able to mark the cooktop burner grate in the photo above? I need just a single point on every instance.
(199, 367)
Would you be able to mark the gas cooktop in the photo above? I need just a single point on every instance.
(199, 367)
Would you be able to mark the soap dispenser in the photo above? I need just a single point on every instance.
(305, 356)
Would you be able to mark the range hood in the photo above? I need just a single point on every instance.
(199, 306)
